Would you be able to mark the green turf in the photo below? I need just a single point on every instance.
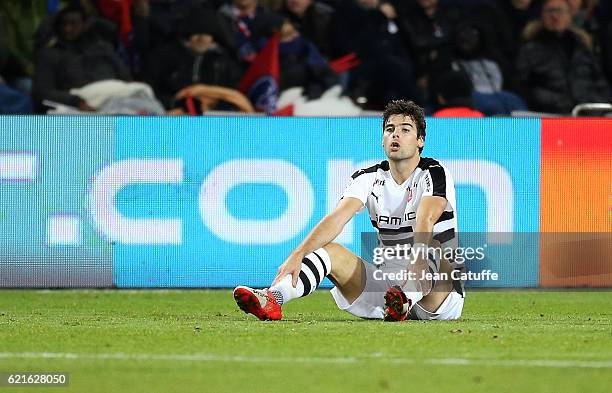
(523, 341)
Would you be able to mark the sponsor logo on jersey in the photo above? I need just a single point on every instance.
(382, 219)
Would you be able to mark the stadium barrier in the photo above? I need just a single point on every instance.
(136, 202)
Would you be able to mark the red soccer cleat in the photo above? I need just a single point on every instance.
(397, 305)
(258, 302)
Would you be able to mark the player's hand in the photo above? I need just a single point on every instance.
(292, 265)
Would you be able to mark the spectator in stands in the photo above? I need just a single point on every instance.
(369, 28)
(313, 20)
(251, 25)
(74, 59)
(557, 65)
(581, 22)
(130, 22)
(195, 58)
(12, 79)
(301, 64)
(12, 69)
(583, 15)
(428, 27)
(118, 22)
(501, 23)
(489, 79)
(453, 93)
(518, 13)
(166, 17)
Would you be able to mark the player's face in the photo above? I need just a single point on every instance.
(400, 138)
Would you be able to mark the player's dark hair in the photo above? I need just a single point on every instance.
(407, 108)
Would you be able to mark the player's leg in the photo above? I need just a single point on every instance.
(348, 272)
(428, 294)
(436, 296)
(344, 269)
(334, 261)
(363, 295)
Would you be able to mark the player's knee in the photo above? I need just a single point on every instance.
(347, 270)
(343, 261)
(337, 253)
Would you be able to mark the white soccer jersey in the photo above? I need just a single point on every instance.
(392, 207)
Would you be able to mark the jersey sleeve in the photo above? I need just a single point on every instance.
(434, 182)
(359, 187)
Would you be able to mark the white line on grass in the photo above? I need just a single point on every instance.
(203, 357)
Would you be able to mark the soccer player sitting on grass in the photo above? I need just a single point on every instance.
(411, 201)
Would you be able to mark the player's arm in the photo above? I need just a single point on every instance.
(323, 233)
(429, 211)
(432, 204)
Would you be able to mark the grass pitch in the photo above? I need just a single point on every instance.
(198, 341)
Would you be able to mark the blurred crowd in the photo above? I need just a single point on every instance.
(454, 57)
